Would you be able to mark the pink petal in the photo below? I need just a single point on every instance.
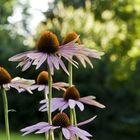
(55, 61)
(64, 107)
(44, 130)
(91, 102)
(87, 121)
(80, 133)
(42, 60)
(27, 65)
(63, 66)
(66, 133)
(71, 103)
(80, 105)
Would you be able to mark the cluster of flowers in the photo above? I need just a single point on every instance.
(48, 50)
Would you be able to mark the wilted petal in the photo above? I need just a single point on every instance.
(21, 84)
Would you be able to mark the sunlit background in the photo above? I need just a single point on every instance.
(106, 25)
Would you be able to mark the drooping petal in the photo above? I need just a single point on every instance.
(80, 133)
(34, 128)
(55, 61)
(71, 103)
(56, 104)
(21, 84)
(33, 87)
(43, 108)
(63, 66)
(41, 87)
(46, 89)
(44, 130)
(80, 105)
(66, 133)
(27, 65)
(87, 121)
(42, 60)
(60, 85)
(91, 102)
(66, 105)
(20, 56)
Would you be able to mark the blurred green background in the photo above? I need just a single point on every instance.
(112, 26)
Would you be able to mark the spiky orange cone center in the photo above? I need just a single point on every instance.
(70, 37)
(71, 93)
(5, 77)
(61, 119)
(48, 42)
(42, 78)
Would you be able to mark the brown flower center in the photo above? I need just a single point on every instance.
(71, 93)
(70, 37)
(42, 78)
(48, 42)
(61, 119)
(5, 77)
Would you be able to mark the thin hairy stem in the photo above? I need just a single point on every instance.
(5, 102)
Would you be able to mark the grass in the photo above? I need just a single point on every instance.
(15, 136)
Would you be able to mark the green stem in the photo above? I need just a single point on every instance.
(70, 80)
(51, 136)
(60, 136)
(5, 102)
(73, 117)
(70, 69)
(46, 97)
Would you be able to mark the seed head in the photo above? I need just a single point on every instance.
(42, 78)
(61, 119)
(5, 77)
(71, 93)
(70, 37)
(48, 42)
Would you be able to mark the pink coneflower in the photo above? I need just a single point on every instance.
(42, 83)
(71, 98)
(20, 84)
(83, 54)
(60, 121)
(48, 49)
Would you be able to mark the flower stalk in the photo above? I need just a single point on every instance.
(72, 111)
(60, 136)
(5, 102)
(51, 136)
